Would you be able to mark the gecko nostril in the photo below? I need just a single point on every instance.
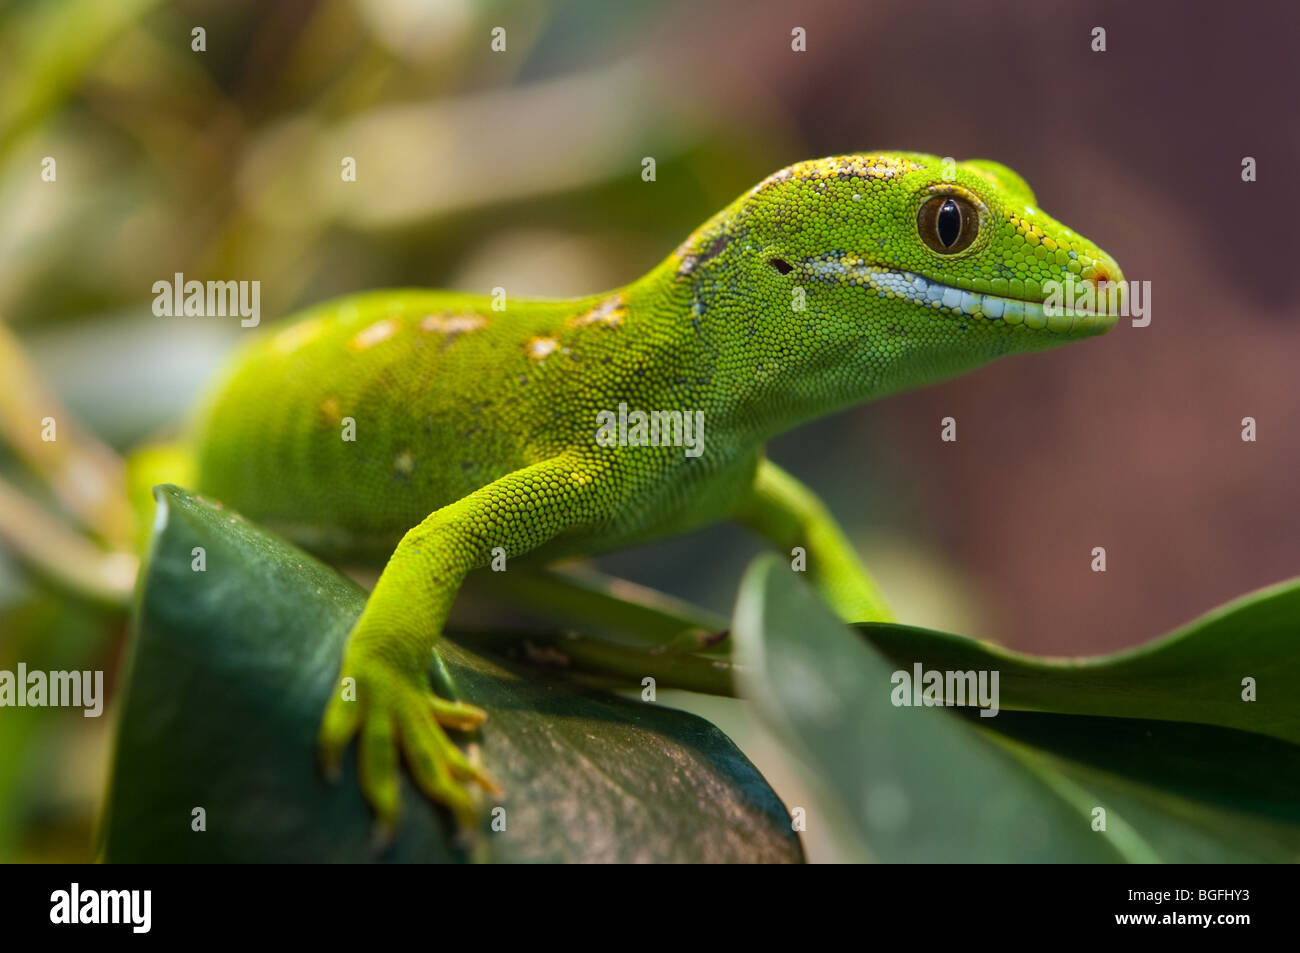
(1106, 272)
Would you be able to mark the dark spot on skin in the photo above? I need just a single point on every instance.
(715, 248)
(781, 265)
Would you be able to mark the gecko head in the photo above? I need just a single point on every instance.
(917, 265)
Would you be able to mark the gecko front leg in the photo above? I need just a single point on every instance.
(390, 703)
(789, 514)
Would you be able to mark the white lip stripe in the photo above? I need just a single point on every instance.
(916, 288)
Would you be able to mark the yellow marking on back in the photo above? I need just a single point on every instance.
(452, 325)
(369, 337)
(296, 335)
(449, 323)
(330, 410)
(608, 313)
(540, 348)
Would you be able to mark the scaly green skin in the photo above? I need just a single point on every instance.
(475, 428)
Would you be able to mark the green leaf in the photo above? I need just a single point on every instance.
(1193, 674)
(930, 784)
(1194, 793)
(228, 676)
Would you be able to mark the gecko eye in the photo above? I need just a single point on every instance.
(948, 224)
(781, 265)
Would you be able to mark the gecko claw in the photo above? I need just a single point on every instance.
(397, 718)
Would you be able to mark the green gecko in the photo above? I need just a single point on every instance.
(435, 430)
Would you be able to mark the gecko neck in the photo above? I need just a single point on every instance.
(734, 350)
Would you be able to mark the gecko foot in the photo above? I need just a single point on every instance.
(392, 709)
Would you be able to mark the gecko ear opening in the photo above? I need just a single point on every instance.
(781, 265)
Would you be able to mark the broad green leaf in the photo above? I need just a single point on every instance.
(228, 676)
(1194, 793)
(915, 784)
(926, 784)
(1193, 674)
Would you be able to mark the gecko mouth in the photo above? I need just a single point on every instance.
(909, 286)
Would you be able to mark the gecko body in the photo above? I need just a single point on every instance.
(427, 431)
